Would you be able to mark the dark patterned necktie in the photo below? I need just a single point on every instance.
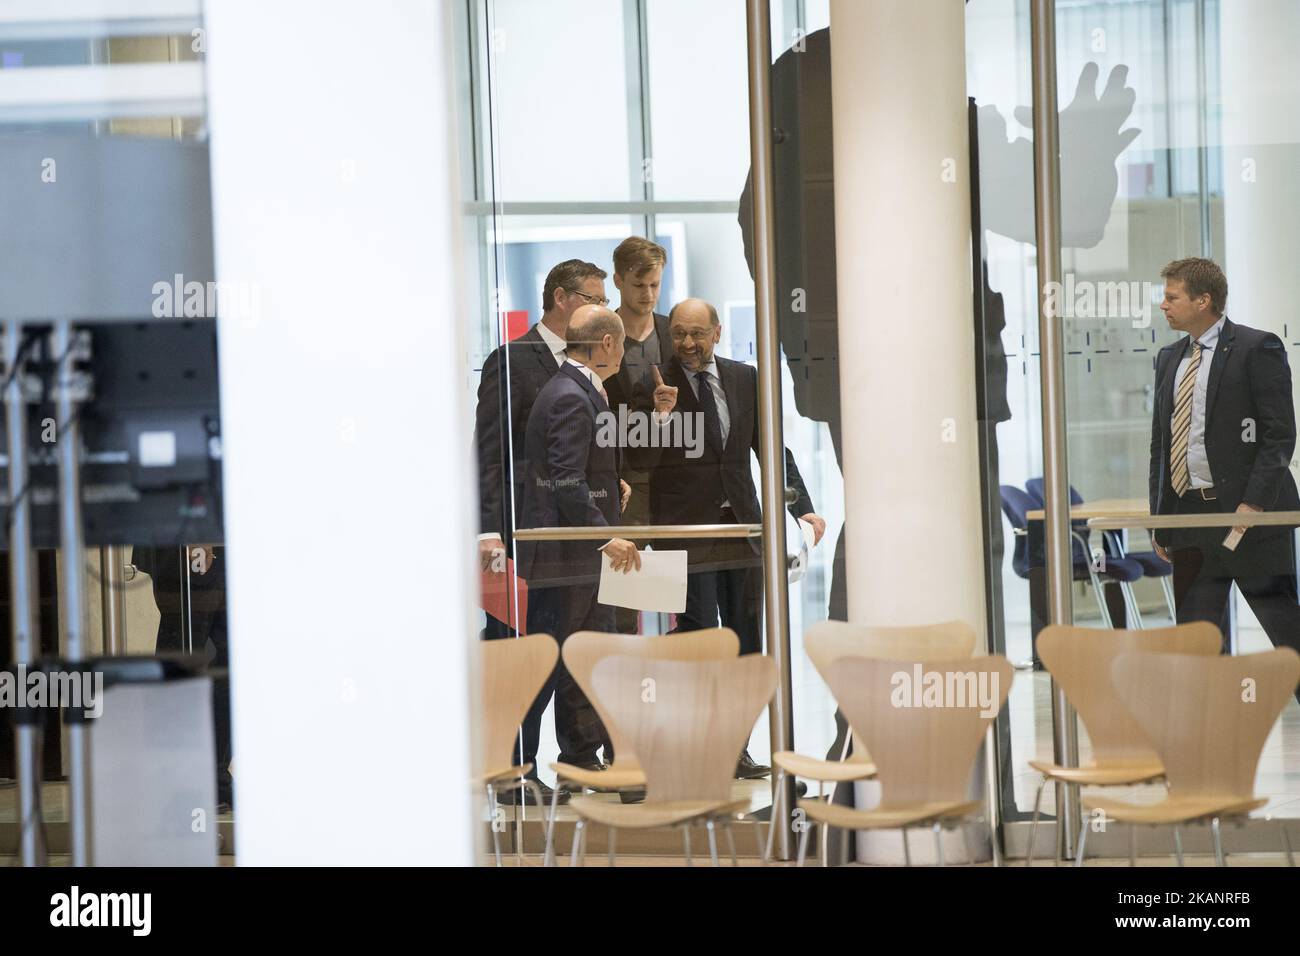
(712, 423)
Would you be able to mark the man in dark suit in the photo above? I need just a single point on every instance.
(571, 481)
(1222, 437)
(528, 363)
(703, 476)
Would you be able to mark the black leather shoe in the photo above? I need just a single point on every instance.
(746, 769)
(593, 764)
(510, 798)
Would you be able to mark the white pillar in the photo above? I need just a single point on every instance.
(906, 328)
(346, 445)
(1261, 154)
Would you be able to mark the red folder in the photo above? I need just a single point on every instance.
(497, 590)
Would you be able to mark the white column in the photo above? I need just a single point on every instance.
(906, 328)
(1261, 154)
(346, 444)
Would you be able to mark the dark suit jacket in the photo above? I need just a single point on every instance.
(1250, 380)
(570, 481)
(531, 367)
(620, 387)
(691, 490)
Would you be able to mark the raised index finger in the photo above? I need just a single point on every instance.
(659, 379)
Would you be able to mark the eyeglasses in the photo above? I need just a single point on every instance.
(680, 335)
(590, 299)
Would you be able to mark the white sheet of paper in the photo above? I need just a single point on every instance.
(1233, 539)
(660, 585)
(799, 559)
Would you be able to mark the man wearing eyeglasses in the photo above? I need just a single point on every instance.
(530, 362)
(714, 484)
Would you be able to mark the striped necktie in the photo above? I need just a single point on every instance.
(1182, 423)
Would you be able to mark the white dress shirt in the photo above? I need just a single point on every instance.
(592, 377)
(553, 342)
(1198, 462)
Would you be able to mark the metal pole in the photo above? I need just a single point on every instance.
(112, 598)
(1202, 137)
(758, 22)
(72, 594)
(1051, 342)
(22, 587)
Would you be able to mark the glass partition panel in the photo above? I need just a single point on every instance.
(1161, 146)
(667, 103)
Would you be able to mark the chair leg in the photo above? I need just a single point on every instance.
(907, 850)
(612, 836)
(548, 858)
(1218, 843)
(1033, 827)
(803, 841)
(1131, 605)
(1099, 590)
(776, 808)
(938, 842)
(577, 842)
(1178, 844)
(686, 840)
(496, 837)
(1132, 844)
(823, 852)
(731, 842)
(1166, 584)
(536, 791)
(1083, 839)
(1286, 841)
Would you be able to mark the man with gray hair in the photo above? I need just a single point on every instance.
(571, 481)
(724, 579)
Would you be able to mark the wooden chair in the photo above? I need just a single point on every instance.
(581, 652)
(514, 671)
(687, 722)
(923, 751)
(827, 641)
(1079, 659)
(1208, 718)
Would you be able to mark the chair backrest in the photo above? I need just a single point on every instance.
(1034, 486)
(1208, 717)
(583, 649)
(514, 670)
(826, 641)
(1080, 660)
(1016, 505)
(923, 722)
(688, 721)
